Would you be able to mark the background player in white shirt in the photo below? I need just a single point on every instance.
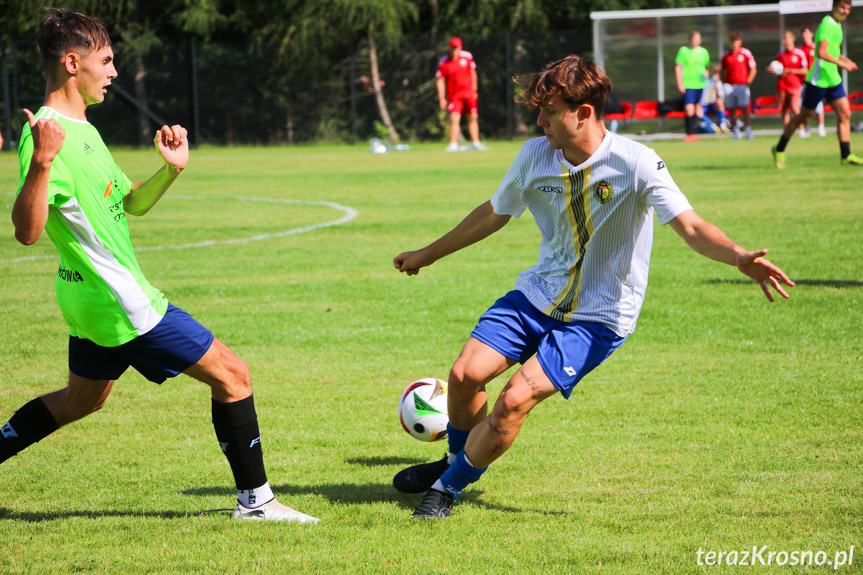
(593, 194)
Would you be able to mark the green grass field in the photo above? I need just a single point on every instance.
(725, 422)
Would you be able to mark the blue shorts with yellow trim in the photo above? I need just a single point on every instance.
(567, 351)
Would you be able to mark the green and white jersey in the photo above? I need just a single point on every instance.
(102, 293)
(694, 62)
(596, 221)
(824, 74)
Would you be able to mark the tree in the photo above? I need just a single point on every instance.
(317, 24)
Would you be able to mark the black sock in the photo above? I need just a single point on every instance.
(691, 122)
(845, 149)
(30, 424)
(783, 141)
(237, 430)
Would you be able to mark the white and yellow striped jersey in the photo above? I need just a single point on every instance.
(596, 221)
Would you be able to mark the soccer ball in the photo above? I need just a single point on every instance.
(423, 409)
(776, 67)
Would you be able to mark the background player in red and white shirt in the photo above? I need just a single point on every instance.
(809, 49)
(456, 88)
(789, 85)
(738, 68)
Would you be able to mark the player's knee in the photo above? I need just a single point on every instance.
(80, 406)
(511, 407)
(465, 376)
(240, 379)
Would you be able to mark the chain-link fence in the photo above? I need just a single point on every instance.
(228, 94)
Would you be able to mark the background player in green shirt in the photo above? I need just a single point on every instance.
(824, 82)
(72, 189)
(690, 68)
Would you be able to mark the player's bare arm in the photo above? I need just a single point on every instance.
(478, 225)
(173, 145)
(678, 73)
(708, 240)
(842, 61)
(441, 92)
(30, 212)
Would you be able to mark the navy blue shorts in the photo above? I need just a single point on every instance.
(174, 345)
(692, 96)
(813, 95)
(567, 351)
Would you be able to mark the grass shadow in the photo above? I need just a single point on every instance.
(39, 517)
(803, 282)
(380, 461)
(365, 494)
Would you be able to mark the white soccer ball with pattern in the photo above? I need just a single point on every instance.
(423, 409)
(776, 67)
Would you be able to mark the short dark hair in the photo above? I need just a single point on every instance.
(575, 79)
(734, 36)
(63, 31)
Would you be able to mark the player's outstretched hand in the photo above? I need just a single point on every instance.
(762, 271)
(410, 262)
(173, 145)
(48, 137)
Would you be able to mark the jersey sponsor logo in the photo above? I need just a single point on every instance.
(108, 191)
(8, 432)
(550, 189)
(603, 191)
(69, 275)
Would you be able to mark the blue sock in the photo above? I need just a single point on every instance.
(457, 439)
(459, 475)
(721, 117)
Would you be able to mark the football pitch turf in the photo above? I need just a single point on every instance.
(724, 423)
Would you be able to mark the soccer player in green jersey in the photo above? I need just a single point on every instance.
(690, 68)
(72, 189)
(824, 82)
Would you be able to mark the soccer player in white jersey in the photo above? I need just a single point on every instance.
(593, 195)
(72, 189)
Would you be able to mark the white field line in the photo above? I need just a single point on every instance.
(349, 214)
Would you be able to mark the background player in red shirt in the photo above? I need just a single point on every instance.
(456, 88)
(789, 86)
(738, 66)
(809, 49)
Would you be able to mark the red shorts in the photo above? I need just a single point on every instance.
(462, 104)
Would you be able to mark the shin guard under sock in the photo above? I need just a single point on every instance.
(236, 426)
(30, 424)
